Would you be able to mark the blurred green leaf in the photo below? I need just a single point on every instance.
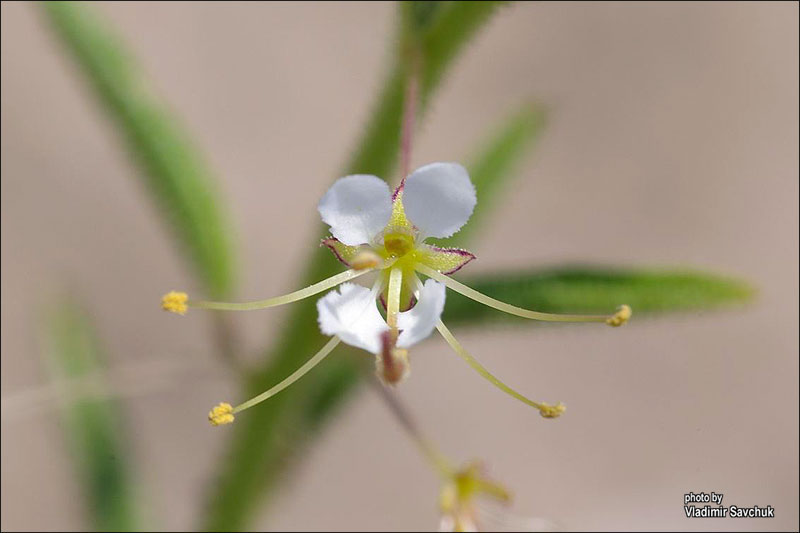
(418, 15)
(596, 290)
(175, 173)
(437, 34)
(446, 35)
(91, 419)
(270, 436)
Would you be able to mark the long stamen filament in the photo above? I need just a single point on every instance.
(297, 374)
(311, 290)
(546, 410)
(502, 306)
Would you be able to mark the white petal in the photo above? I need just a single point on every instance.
(439, 199)
(356, 208)
(418, 322)
(352, 314)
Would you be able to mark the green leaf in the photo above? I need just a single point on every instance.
(267, 438)
(92, 420)
(173, 170)
(438, 34)
(596, 290)
(418, 15)
(445, 37)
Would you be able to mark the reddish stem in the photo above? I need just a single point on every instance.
(409, 114)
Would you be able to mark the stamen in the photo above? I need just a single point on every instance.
(223, 413)
(552, 411)
(544, 409)
(622, 315)
(311, 290)
(519, 311)
(366, 259)
(175, 302)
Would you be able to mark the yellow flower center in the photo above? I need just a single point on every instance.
(398, 244)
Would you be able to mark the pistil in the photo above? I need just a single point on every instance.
(393, 299)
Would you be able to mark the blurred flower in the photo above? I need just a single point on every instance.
(494, 516)
(457, 499)
(375, 229)
(471, 501)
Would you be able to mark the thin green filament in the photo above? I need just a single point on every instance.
(297, 374)
(311, 290)
(479, 368)
(502, 306)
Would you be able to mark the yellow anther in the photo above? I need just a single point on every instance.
(366, 259)
(622, 315)
(175, 302)
(221, 414)
(552, 411)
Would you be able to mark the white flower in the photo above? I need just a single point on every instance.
(368, 220)
(375, 229)
(460, 492)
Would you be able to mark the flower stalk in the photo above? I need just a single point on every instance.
(409, 112)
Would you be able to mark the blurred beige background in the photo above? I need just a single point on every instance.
(673, 141)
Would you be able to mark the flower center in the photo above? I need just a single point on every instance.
(398, 244)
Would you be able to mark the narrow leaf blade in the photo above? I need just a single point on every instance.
(597, 290)
(447, 34)
(439, 31)
(92, 420)
(173, 170)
